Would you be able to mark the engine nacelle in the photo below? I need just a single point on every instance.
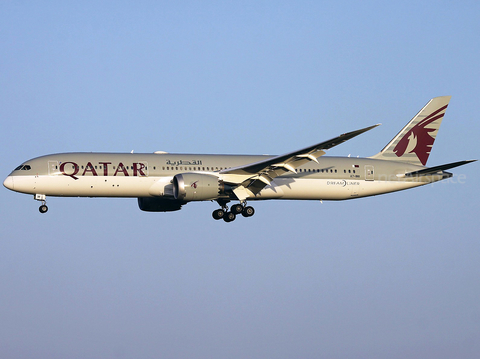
(150, 204)
(196, 187)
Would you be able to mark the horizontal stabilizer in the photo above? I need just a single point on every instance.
(436, 169)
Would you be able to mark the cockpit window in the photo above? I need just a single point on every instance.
(23, 168)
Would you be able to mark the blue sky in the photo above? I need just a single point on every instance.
(390, 276)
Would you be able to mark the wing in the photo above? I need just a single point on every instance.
(255, 176)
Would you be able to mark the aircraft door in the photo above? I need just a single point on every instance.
(52, 167)
(369, 174)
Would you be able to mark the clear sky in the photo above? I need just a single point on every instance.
(394, 276)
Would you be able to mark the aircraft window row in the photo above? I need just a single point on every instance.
(318, 171)
(168, 168)
(23, 168)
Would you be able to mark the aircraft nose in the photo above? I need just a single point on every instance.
(8, 182)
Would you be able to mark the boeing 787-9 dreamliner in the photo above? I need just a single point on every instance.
(164, 182)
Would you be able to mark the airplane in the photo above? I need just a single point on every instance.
(164, 182)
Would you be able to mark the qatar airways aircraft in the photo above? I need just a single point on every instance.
(165, 182)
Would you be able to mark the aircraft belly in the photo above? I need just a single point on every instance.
(316, 189)
(330, 189)
(372, 188)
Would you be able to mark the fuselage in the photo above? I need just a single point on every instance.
(150, 175)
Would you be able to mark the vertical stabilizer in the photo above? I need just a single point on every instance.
(415, 141)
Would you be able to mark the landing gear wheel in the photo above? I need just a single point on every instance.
(229, 217)
(218, 214)
(237, 208)
(43, 208)
(248, 211)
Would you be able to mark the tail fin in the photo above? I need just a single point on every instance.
(414, 142)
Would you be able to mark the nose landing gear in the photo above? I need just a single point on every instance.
(41, 197)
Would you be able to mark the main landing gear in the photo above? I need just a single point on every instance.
(229, 216)
(43, 207)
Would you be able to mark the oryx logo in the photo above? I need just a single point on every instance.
(194, 184)
(418, 139)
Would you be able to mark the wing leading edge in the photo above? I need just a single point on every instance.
(255, 176)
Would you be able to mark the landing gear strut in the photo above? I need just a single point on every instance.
(41, 197)
(229, 216)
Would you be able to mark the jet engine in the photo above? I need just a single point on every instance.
(196, 187)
